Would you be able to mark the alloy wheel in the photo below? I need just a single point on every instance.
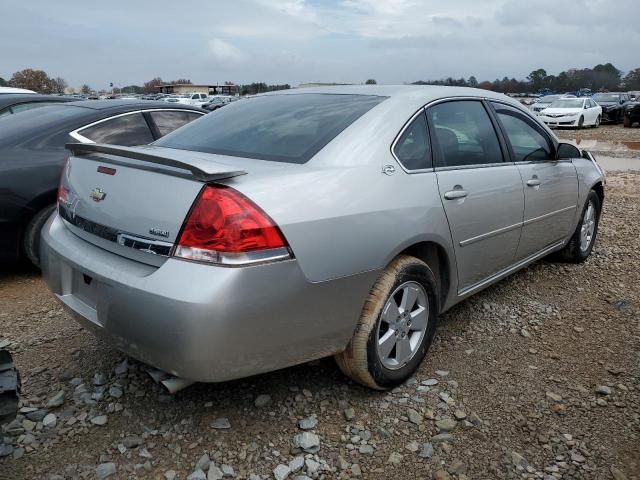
(588, 227)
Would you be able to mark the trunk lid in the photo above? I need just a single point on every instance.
(133, 200)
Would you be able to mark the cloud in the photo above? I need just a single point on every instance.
(222, 51)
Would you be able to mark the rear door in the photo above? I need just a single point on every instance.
(481, 193)
(550, 185)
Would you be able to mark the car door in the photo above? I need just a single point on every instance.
(482, 194)
(550, 185)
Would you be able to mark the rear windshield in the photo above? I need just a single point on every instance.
(280, 128)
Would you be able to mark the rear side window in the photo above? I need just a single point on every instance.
(128, 130)
(280, 128)
(412, 148)
(167, 121)
(463, 134)
(528, 143)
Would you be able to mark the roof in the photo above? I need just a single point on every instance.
(133, 103)
(5, 90)
(14, 98)
(418, 94)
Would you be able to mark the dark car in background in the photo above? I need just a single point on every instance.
(32, 154)
(19, 102)
(632, 113)
(612, 105)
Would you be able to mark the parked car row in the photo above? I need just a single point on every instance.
(180, 251)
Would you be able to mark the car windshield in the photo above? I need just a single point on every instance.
(548, 99)
(606, 97)
(567, 103)
(280, 128)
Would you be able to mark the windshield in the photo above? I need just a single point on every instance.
(606, 97)
(548, 98)
(280, 128)
(567, 103)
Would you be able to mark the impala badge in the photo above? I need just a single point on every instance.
(97, 194)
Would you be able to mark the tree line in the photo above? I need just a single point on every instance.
(602, 77)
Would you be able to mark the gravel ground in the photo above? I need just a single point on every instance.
(536, 377)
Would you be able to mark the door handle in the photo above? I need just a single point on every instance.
(534, 182)
(453, 194)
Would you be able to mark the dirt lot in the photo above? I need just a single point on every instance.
(536, 377)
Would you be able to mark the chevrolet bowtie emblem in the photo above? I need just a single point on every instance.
(97, 194)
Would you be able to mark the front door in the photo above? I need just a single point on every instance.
(481, 193)
(550, 186)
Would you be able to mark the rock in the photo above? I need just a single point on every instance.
(457, 467)
(296, 464)
(99, 420)
(307, 441)
(603, 390)
(430, 382)
(144, 453)
(262, 401)
(214, 473)
(460, 415)
(442, 373)
(121, 369)
(617, 474)
(197, 475)
(446, 424)
(525, 333)
(50, 421)
(308, 423)
(518, 460)
(414, 417)
(413, 447)
(57, 400)
(395, 458)
(349, 414)
(426, 451)
(366, 449)
(281, 472)
(441, 475)
(227, 470)
(99, 379)
(132, 441)
(115, 392)
(356, 471)
(576, 457)
(442, 437)
(554, 396)
(203, 463)
(170, 475)
(105, 470)
(221, 424)
(5, 450)
(312, 466)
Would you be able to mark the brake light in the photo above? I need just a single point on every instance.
(225, 227)
(63, 193)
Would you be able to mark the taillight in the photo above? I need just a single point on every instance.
(225, 227)
(63, 193)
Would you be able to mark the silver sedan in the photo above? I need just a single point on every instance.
(313, 222)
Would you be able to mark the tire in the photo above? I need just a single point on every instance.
(627, 122)
(575, 251)
(362, 360)
(597, 122)
(31, 239)
(581, 122)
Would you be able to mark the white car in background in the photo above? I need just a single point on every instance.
(193, 99)
(15, 90)
(572, 112)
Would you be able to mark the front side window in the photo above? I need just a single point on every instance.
(167, 121)
(463, 134)
(412, 148)
(128, 130)
(279, 128)
(527, 141)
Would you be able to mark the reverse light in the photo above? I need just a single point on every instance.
(226, 228)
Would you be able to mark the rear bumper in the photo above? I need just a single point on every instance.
(202, 322)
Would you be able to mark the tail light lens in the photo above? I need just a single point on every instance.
(225, 227)
(63, 193)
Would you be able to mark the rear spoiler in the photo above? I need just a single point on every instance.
(202, 169)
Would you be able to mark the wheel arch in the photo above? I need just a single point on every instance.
(434, 255)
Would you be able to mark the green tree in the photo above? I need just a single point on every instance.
(3, 82)
(371, 81)
(31, 79)
(537, 78)
(86, 89)
(632, 80)
(472, 82)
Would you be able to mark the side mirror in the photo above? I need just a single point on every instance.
(567, 151)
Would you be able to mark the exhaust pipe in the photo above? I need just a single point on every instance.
(170, 382)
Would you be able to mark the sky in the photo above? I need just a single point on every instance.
(300, 41)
